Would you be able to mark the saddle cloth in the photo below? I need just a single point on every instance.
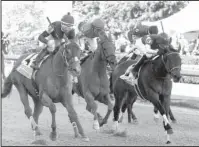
(25, 67)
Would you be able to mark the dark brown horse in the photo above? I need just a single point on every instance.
(93, 83)
(54, 84)
(123, 92)
(126, 94)
(154, 84)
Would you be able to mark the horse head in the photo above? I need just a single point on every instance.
(108, 51)
(172, 63)
(71, 56)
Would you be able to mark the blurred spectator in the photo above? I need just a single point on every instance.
(121, 43)
(196, 47)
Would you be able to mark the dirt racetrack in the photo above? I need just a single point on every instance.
(16, 128)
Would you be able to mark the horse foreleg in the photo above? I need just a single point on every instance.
(93, 106)
(110, 109)
(28, 111)
(124, 107)
(154, 98)
(166, 104)
(131, 109)
(119, 100)
(67, 103)
(46, 101)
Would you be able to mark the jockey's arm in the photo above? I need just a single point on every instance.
(46, 33)
(149, 50)
(42, 37)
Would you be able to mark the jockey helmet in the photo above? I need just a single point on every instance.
(98, 23)
(68, 19)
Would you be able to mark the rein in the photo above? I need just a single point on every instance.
(169, 70)
(62, 52)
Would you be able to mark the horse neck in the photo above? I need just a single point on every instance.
(58, 64)
(99, 65)
(159, 68)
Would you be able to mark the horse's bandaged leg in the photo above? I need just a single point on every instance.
(115, 125)
(75, 129)
(165, 119)
(33, 123)
(168, 137)
(96, 125)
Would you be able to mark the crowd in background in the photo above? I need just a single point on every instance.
(179, 42)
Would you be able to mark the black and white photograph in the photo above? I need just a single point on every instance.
(99, 73)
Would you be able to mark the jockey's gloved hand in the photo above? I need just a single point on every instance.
(51, 45)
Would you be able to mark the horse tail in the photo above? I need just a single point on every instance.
(7, 87)
(111, 82)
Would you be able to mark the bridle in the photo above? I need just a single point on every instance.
(105, 56)
(167, 69)
(67, 62)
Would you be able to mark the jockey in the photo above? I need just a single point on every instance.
(91, 30)
(155, 44)
(57, 33)
(137, 31)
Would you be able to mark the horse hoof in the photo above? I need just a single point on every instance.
(96, 125)
(37, 132)
(168, 142)
(103, 123)
(86, 139)
(120, 120)
(135, 121)
(156, 119)
(53, 136)
(170, 131)
(76, 135)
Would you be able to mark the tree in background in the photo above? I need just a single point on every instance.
(24, 21)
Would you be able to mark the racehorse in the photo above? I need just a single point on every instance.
(126, 94)
(4, 47)
(154, 84)
(52, 84)
(93, 83)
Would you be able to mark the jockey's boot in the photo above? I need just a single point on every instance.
(40, 56)
(132, 71)
(137, 66)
